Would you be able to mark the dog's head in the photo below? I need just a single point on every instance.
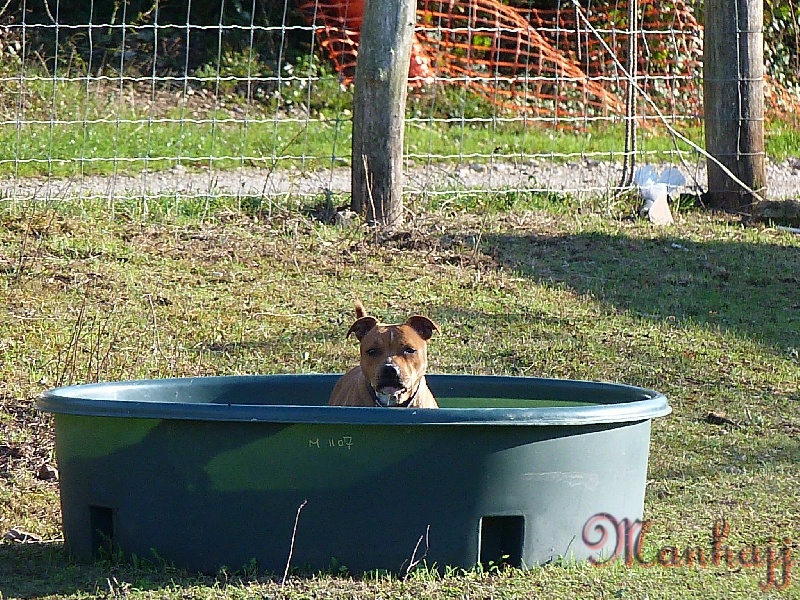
(394, 358)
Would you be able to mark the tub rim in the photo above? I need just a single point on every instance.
(73, 400)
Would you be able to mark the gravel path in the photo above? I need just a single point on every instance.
(587, 177)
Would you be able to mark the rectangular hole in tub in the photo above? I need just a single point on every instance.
(501, 541)
(101, 523)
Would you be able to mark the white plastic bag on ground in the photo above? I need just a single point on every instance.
(655, 190)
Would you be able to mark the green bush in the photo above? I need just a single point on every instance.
(782, 42)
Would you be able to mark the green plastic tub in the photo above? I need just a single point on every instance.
(212, 471)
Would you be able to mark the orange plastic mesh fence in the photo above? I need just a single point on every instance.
(544, 63)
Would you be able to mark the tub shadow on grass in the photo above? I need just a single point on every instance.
(46, 569)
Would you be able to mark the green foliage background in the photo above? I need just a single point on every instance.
(782, 40)
(112, 35)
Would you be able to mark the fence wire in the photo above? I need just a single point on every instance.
(255, 100)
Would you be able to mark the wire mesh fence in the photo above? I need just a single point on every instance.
(131, 101)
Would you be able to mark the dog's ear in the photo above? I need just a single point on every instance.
(362, 327)
(423, 326)
(360, 310)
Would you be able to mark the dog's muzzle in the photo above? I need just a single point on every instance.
(389, 388)
(389, 378)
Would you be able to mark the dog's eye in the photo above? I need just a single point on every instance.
(409, 350)
(373, 352)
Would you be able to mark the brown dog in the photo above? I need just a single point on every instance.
(393, 363)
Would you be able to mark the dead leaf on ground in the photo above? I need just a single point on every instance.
(47, 472)
(22, 537)
(716, 417)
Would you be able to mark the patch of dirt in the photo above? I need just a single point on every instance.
(21, 421)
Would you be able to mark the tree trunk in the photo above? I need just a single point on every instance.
(379, 104)
(733, 90)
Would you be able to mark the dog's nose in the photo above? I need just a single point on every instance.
(389, 370)
(390, 373)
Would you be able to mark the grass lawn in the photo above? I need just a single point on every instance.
(74, 127)
(707, 311)
(223, 140)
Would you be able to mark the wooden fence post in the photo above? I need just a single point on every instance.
(379, 103)
(733, 90)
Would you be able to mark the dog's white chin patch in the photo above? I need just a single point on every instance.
(389, 396)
